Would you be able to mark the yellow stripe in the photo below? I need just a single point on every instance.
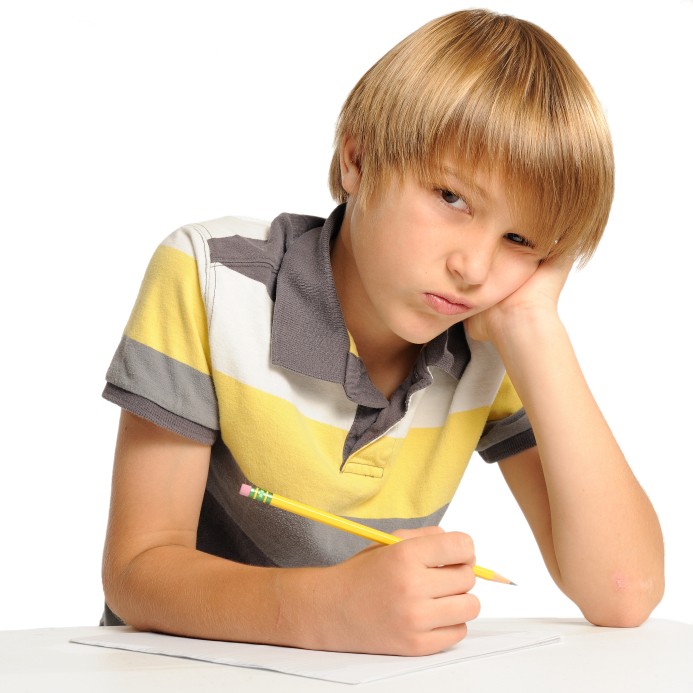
(506, 402)
(279, 448)
(352, 345)
(169, 314)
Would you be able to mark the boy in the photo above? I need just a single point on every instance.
(355, 363)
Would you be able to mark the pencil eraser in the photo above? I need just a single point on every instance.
(245, 490)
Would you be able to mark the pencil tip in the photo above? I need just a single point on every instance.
(514, 584)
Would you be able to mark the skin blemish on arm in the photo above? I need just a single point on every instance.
(620, 582)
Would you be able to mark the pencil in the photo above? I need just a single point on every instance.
(363, 531)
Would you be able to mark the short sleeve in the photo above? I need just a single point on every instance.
(162, 368)
(507, 431)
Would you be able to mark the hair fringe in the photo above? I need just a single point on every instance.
(492, 93)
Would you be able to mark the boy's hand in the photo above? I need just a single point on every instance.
(537, 298)
(409, 598)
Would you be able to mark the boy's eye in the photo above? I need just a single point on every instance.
(519, 240)
(454, 200)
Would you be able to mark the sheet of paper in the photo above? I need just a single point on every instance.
(329, 666)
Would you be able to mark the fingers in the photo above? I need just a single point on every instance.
(436, 549)
(435, 625)
(418, 644)
(452, 611)
(447, 560)
(449, 580)
(410, 598)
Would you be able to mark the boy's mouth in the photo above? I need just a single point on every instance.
(446, 305)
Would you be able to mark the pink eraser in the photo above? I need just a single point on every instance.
(245, 490)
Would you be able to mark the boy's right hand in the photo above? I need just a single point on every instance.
(410, 598)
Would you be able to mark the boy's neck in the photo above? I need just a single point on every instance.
(387, 373)
(387, 357)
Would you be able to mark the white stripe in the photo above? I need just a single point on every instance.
(478, 387)
(190, 237)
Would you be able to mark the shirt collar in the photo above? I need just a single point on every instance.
(309, 335)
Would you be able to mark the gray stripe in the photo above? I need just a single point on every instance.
(170, 384)
(146, 409)
(509, 447)
(497, 431)
(506, 437)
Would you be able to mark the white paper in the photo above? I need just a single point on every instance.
(340, 667)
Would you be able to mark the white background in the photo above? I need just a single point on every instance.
(123, 120)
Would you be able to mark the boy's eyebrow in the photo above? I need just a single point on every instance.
(467, 182)
(478, 192)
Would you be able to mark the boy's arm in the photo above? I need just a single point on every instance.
(595, 526)
(393, 599)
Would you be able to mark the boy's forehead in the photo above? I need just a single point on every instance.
(477, 181)
(481, 180)
(490, 186)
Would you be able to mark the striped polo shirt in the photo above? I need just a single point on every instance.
(237, 340)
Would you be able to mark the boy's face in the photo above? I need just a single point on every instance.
(419, 260)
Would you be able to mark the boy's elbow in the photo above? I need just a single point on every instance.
(630, 616)
(123, 605)
(111, 594)
(119, 580)
(627, 605)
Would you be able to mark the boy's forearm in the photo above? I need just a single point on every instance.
(178, 590)
(606, 536)
(411, 598)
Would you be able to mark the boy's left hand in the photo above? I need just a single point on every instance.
(536, 298)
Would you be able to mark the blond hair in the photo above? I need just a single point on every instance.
(494, 93)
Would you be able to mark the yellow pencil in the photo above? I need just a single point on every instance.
(356, 528)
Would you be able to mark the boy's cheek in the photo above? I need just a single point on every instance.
(528, 272)
(510, 290)
(511, 287)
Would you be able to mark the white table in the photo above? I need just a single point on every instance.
(655, 658)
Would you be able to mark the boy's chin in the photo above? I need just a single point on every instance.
(420, 336)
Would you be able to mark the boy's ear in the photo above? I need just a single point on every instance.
(350, 166)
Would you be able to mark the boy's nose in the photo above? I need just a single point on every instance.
(472, 264)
